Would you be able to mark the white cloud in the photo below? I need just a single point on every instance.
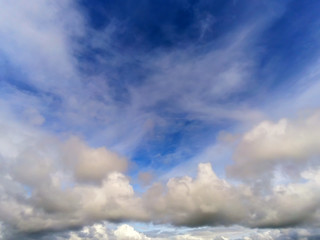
(195, 84)
(102, 232)
(51, 184)
(41, 43)
(35, 41)
(91, 164)
(206, 200)
(38, 189)
(288, 141)
(33, 28)
(96, 232)
(126, 232)
(41, 190)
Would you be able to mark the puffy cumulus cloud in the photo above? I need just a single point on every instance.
(209, 200)
(201, 201)
(33, 155)
(39, 185)
(283, 205)
(96, 232)
(127, 232)
(60, 208)
(269, 144)
(105, 232)
(114, 200)
(292, 204)
(49, 184)
(89, 164)
(42, 188)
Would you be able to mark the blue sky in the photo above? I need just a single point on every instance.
(186, 119)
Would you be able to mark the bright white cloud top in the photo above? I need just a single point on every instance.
(180, 120)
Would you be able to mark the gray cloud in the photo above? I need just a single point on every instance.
(50, 182)
(125, 231)
(91, 164)
(42, 189)
(271, 144)
(206, 200)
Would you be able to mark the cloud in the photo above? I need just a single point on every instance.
(104, 232)
(42, 52)
(145, 178)
(125, 231)
(40, 188)
(91, 164)
(96, 231)
(33, 28)
(206, 200)
(290, 142)
(188, 82)
(1, 231)
(50, 47)
(43, 189)
(51, 180)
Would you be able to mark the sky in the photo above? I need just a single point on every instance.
(153, 120)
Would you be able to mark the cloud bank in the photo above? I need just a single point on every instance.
(95, 101)
(47, 185)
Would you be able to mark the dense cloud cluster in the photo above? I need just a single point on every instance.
(40, 185)
(125, 231)
(91, 165)
(286, 142)
(44, 187)
(76, 112)
(208, 200)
